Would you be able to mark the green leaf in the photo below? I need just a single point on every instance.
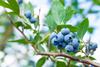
(90, 30)
(18, 24)
(82, 28)
(4, 4)
(72, 28)
(22, 41)
(37, 38)
(60, 64)
(27, 26)
(57, 11)
(69, 13)
(97, 2)
(51, 23)
(41, 61)
(62, 1)
(91, 58)
(81, 47)
(45, 39)
(14, 6)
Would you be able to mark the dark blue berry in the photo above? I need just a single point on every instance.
(20, 1)
(65, 31)
(62, 45)
(60, 37)
(53, 35)
(92, 46)
(75, 43)
(32, 20)
(54, 41)
(69, 48)
(28, 14)
(68, 38)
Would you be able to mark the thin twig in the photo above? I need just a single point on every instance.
(85, 61)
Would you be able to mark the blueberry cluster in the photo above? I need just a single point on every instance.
(65, 39)
(29, 16)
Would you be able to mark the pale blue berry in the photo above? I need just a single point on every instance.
(75, 43)
(65, 31)
(60, 37)
(32, 20)
(69, 48)
(54, 41)
(28, 14)
(68, 38)
(53, 35)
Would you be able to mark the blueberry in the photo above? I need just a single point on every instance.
(69, 48)
(20, 1)
(65, 31)
(68, 38)
(32, 20)
(75, 43)
(53, 35)
(62, 45)
(92, 46)
(28, 14)
(54, 41)
(60, 37)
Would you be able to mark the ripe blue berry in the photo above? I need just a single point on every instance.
(68, 38)
(60, 37)
(69, 48)
(75, 43)
(62, 45)
(54, 41)
(32, 20)
(28, 14)
(20, 1)
(92, 46)
(65, 31)
(53, 35)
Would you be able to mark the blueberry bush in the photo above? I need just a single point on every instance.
(62, 43)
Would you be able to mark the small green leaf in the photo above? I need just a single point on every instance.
(45, 39)
(90, 30)
(81, 47)
(37, 38)
(83, 27)
(22, 41)
(60, 64)
(41, 61)
(91, 58)
(97, 2)
(18, 24)
(4, 4)
(27, 26)
(62, 2)
(14, 6)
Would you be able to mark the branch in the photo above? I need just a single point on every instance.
(26, 39)
(85, 61)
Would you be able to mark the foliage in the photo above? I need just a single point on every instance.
(57, 22)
